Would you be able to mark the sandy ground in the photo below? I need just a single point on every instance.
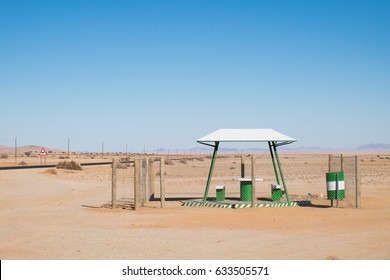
(48, 216)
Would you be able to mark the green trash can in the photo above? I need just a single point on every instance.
(276, 192)
(246, 190)
(220, 192)
(331, 179)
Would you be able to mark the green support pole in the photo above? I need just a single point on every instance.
(281, 172)
(273, 162)
(211, 172)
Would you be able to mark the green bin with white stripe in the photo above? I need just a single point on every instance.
(332, 179)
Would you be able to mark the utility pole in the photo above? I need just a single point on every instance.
(16, 149)
(102, 148)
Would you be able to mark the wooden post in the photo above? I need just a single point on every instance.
(242, 166)
(253, 175)
(329, 160)
(151, 178)
(113, 184)
(162, 189)
(16, 151)
(341, 163)
(145, 180)
(357, 182)
(137, 184)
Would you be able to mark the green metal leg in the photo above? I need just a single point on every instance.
(211, 172)
(273, 162)
(281, 172)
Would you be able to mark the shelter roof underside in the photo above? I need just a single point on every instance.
(245, 135)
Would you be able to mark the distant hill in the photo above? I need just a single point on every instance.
(30, 148)
(374, 147)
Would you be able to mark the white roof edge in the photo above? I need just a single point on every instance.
(246, 135)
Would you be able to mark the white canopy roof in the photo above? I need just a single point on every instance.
(245, 135)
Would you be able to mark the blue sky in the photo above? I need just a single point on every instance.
(162, 74)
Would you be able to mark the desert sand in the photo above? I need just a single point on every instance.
(66, 215)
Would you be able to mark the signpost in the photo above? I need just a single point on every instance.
(43, 154)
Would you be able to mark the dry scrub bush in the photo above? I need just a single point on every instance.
(4, 156)
(64, 157)
(121, 165)
(22, 163)
(69, 165)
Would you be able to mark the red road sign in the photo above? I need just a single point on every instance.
(42, 153)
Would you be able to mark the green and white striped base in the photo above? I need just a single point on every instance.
(207, 204)
(237, 205)
(284, 204)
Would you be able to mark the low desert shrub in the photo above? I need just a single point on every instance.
(121, 165)
(69, 165)
(22, 163)
(64, 157)
(125, 159)
(4, 156)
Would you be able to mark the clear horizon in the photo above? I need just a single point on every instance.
(257, 147)
(161, 74)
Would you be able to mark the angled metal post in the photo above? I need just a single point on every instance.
(210, 172)
(281, 172)
(273, 163)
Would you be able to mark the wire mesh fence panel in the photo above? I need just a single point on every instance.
(227, 171)
(335, 163)
(375, 173)
(348, 165)
(125, 185)
(349, 169)
(185, 177)
(264, 170)
(305, 174)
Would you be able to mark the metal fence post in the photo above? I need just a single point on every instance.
(113, 184)
(253, 162)
(151, 178)
(137, 184)
(357, 181)
(162, 187)
(242, 166)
